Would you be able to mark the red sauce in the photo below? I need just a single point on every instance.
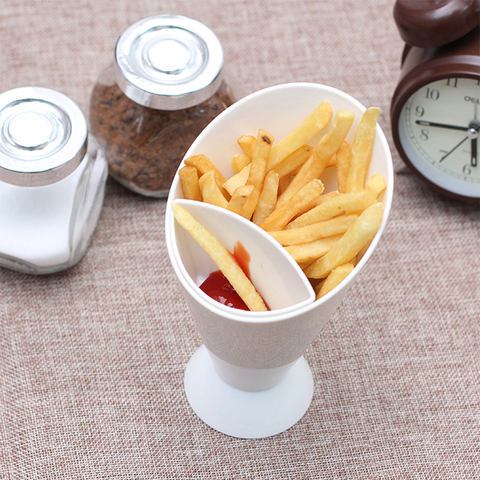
(220, 289)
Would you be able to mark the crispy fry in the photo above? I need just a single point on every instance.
(239, 197)
(211, 192)
(343, 165)
(376, 184)
(313, 232)
(237, 180)
(189, 182)
(294, 161)
(309, 252)
(307, 129)
(346, 202)
(283, 214)
(203, 164)
(354, 239)
(362, 148)
(335, 277)
(268, 198)
(222, 258)
(261, 152)
(239, 162)
(247, 144)
(322, 153)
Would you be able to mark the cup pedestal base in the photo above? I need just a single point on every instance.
(242, 414)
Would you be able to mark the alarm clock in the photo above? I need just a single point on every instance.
(435, 109)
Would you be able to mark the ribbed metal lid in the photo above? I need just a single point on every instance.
(43, 136)
(168, 62)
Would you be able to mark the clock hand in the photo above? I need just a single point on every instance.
(473, 152)
(453, 149)
(426, 123)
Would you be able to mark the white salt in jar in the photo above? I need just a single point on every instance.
(52, 181)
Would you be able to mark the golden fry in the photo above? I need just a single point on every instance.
(335, 277)
(211, 192)
(294, 236)
(284, 213)
(322, 154)
(237, 180)
(311, 251)
(239, 162)
(239, 197)
(247, 144)
(307, 129)
(222, 258)
(346, 202)
(294, 161)
(376, 184)
(343, 165)
(268, 198)
(261, 152)
(189, 182)
(362, 148)
(355, 238)
(203, 164)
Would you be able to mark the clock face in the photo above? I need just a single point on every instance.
(438, 129)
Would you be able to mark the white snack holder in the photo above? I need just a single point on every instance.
(250, 379)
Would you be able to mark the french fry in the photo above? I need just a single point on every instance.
(189, 183)
(203, 164)
(294, 236)
(355, 238)
(294, 161)
(335, 277)
(284, 213)
(247, 144)
(239, 198)
(300, 135)
(222, 258)
(362, 148)
(261, 152)
(237, 180)
(268, 198)
(319, 200)
(376, 184)
(309, 252)
(322, 154)
(343, 165)
(211, 192)
(239, 162)
(346, 202)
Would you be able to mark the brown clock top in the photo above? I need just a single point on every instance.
(431, 23)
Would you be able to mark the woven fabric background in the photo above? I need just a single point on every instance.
(92, 359)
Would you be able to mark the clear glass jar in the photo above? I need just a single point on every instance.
(165, 86)
(52, 181)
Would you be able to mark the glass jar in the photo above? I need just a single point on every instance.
(52, 181)
(164, 87)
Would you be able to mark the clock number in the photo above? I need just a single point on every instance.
(424, 135)
(432, 94)
(419, 111)
(452, 82)
(467, 169)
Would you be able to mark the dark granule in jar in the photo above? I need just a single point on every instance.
(144, 146)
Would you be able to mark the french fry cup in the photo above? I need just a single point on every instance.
(249, 378)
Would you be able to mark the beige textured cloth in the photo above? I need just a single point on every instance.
(92, 359)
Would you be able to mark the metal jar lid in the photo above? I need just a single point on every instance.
(168, 62)
(43, 136)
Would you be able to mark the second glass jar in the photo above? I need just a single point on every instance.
(164, 87)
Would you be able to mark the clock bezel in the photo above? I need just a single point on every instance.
(418, 76)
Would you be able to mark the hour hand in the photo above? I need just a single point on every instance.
(473, 152)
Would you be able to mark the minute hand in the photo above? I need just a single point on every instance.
(425, 123)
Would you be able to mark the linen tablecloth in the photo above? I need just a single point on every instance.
(92, 359)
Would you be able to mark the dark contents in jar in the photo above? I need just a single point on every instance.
(144, 146)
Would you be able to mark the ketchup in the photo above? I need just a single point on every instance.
(220, 289)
